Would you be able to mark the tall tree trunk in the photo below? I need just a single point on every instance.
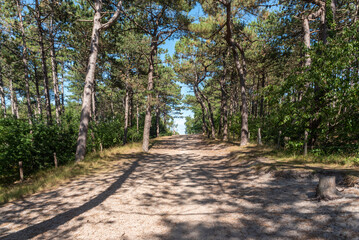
(261, 109)
(204, 111)
(13, 99)
(147, 127)
(38, 96)
(2, 94)
(89, 81)
(93, 102)
(24, 60)
(62, 88)
(43, 62)
(209, 112)
(127, 99)
(137, 116)
(90, 76)
(157, 116)
(130, 108)
(241, 69)
(224, 103)
(54, 73)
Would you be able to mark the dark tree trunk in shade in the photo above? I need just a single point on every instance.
(38, 96)
(43, 63)
(54, 73)
(25, 63)
(241, 69)
(2, 94)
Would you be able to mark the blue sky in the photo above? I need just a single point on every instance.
(185, 90)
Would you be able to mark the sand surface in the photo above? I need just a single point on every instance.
(182, 189)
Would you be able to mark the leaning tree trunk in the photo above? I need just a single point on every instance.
(25, 62)
(43, 62)
(90, 76)
(89, 81)
(147, 127)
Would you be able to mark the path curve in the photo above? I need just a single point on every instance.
(183, 188)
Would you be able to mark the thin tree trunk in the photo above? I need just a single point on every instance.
(44, 66)
(127, 97)
(2, 94)
(137, 116)
(54, 73)
(224, 103)
(38, 96)
(157, 116)
(130, 111)
(62, 88)
(203, 108)
(147, 127)
(13, 99)
(89, 81)
(24, 60)
(241, 69)
(93, 102)
(209, 112)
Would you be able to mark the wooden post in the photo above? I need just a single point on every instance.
(279, 135)
(55, 159)
(305, 143)
(21, 171)
(249, 135)
(259, 137)
(101, 146)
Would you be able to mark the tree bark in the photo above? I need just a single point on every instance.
(127, 96)
(90, 77)
(43, 62)
(204, 111)
(89, 81)
(54, 73)
(224, 103)
(209, 111)
(157, 116)
(241, 69)
(137, 116)
(38, 96)
(13, 99)
(147, 127)
(2, 94)
(326, 189)
(25, 62)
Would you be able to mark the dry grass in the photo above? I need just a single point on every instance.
(94, 163)
(271, 160)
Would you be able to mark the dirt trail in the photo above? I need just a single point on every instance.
(183, 189)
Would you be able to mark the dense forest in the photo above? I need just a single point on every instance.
(78, 76)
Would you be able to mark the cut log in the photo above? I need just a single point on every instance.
(326, 189)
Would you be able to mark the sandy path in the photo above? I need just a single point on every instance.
(182, 189)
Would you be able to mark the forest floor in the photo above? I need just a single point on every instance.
(184, 188)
